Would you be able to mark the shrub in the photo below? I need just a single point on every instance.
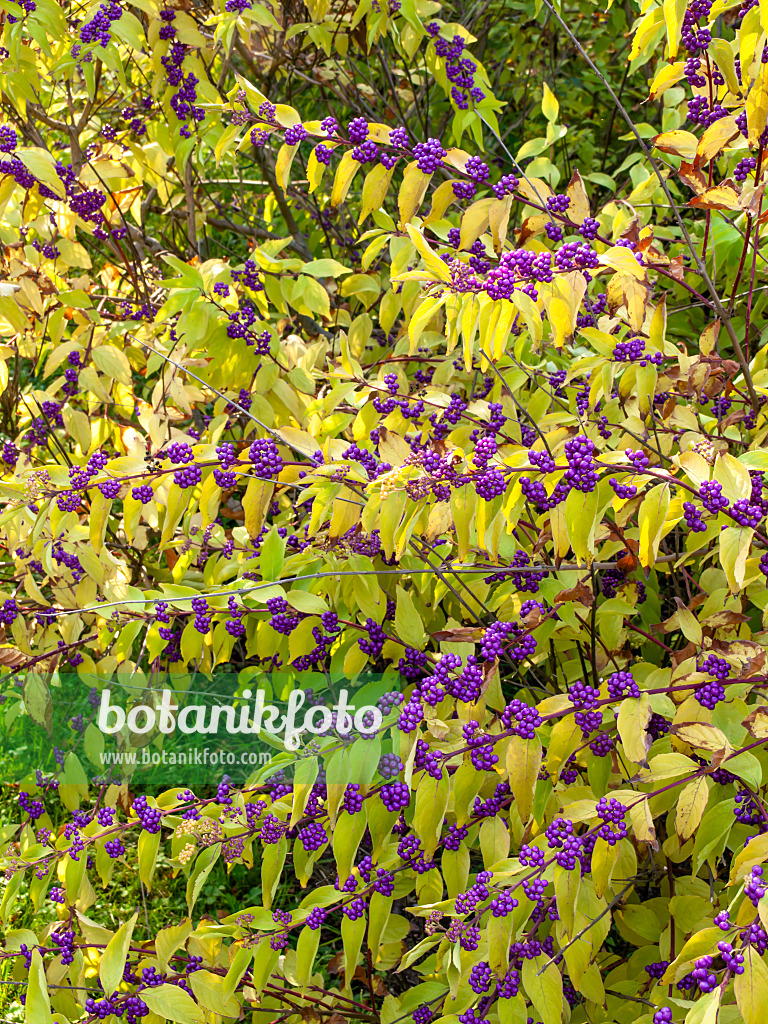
(306, 398)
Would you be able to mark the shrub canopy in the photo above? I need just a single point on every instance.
(417, 351)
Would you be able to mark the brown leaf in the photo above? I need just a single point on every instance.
(336, 966)
(724, 618)
(11, 657)
(694, 178)
(460, 634)
(678, 657)
(580, 593)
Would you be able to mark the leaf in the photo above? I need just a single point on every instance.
(715, 138)
(375, 188)
(113, 362)
(756, 723)
(651, 518)
(690, 807)
(149, 845)
(523, 761)
(674, 11)
(306, 951)
(100, 509)
(578, 211)
(475, 221)
(303, 601)
(567, 884)
(345, 173)
(622, 260)
(170, 939)
(545, 989)
(203, 867)
(325, 268)
(581, 510)
(256, 502)
(757, 106)
(634, 715)
(665, 79)
(37, 1008)
(735, 543)
(285, 156)
(432, 261)
(40, 162)
(679, 143)
(410, 628)
(115, 955)
(703, 736)
(751, 987)
(412, 191)
(720, 197)
(549, 105)
(173, 1003)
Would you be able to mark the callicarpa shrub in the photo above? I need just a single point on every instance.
(303, 400)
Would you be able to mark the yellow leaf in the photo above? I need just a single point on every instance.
(442, 198)
(690, 807)
(100, 508)
(345, 172)
(674, 10)
(577, 193)
(679, 143)
(622, 260)
(634, 715)
(751, 988)
(375, 189)
(412, 191)
(735, 542)
(316, 170)
(256, 501)
(750, 31)
(703, 736)
(715, 138)
(431, 260)
(498, 221)
(720, 197)
(523, 761)
(581, 521)
(502, 327)
(666, 78)
(651, 518)
(283, 163)
(424, 313)
(475, 221)
(550, 108)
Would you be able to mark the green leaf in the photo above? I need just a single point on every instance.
(168, 940)
(545, 989)
(149, 844)
(751, 987)
(174, 1004)
(114, 956)
(580, 521)
(203, 867)
(408, 624)
(306, 950)
(523, 761)
(37, 1008)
